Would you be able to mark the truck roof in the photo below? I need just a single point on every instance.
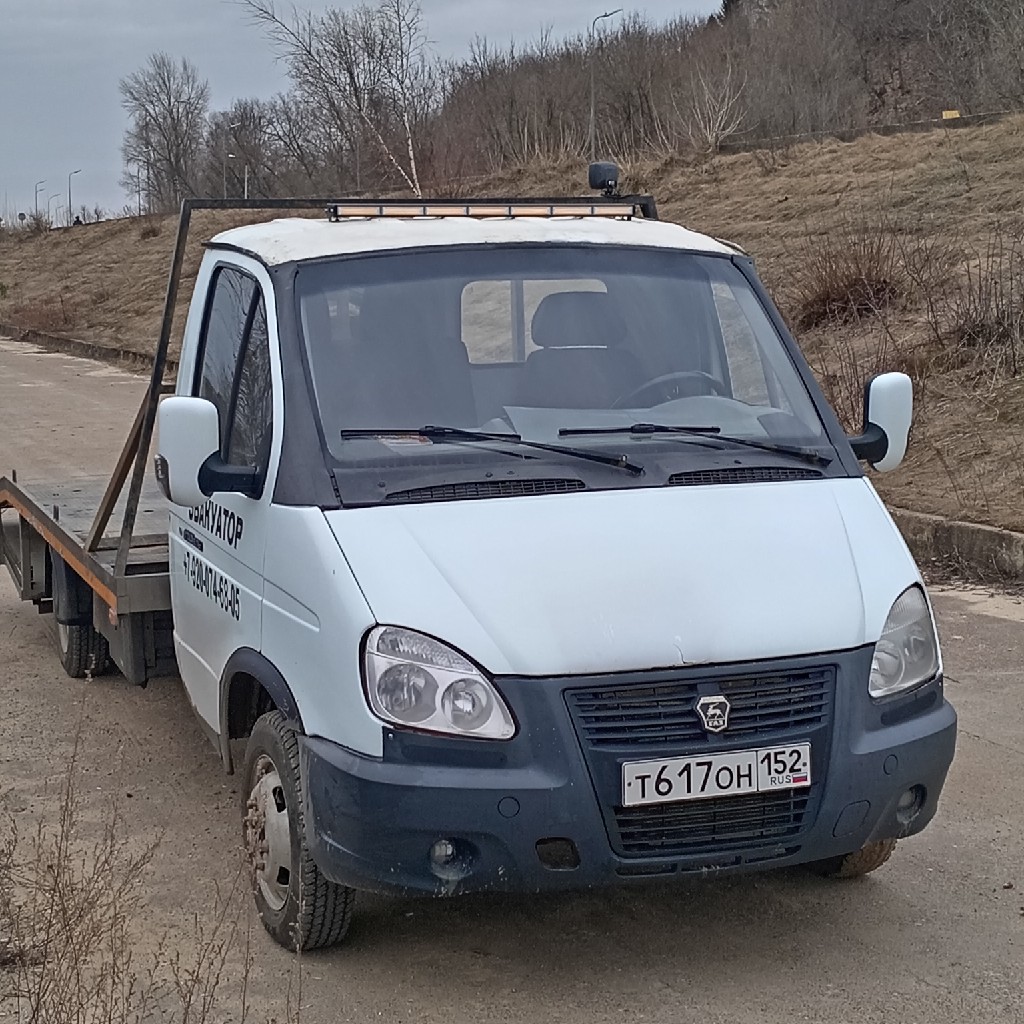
(299, 238)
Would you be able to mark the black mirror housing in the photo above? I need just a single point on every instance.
(219, 477)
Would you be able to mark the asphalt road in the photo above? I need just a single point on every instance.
(937, 935)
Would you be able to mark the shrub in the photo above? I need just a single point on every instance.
(984, 319)
(848, 273)
(49, 315)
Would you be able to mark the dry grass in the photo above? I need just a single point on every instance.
(113, 274)
(71, 910)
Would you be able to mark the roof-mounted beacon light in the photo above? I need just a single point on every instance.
(604, 178)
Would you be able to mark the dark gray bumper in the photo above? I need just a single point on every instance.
(507, 808)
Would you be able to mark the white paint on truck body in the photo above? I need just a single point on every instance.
(297, 238)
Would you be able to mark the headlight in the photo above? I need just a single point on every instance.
(421, 683)
(907, 652)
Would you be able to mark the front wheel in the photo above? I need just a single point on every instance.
(853, 865)
(298, 906)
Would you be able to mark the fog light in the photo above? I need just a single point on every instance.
(452, 859)
(442, 852)
(910, 804)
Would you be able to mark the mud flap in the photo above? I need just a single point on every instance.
(72, 598)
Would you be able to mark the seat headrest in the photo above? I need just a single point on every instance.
(569, 319)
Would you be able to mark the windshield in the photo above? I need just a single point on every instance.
(532, 341)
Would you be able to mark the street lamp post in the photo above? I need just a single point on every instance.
(56, 195)
(593, 30)
(38, 183)
(79, 171)
(224, 154)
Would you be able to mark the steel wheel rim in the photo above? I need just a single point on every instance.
(268, 834)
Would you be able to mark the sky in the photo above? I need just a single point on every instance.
(61, 61)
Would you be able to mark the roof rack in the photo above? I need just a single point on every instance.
(623, 207)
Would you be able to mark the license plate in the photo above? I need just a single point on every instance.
(705, 776)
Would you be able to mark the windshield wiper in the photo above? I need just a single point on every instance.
(435, 433)
(712, 433)
(638, 428)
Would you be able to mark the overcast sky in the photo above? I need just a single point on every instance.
(61, 60)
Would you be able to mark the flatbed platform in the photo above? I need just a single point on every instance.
(61, 516)
(76, 502)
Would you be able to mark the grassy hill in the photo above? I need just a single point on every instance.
(894, 252)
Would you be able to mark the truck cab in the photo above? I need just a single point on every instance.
(522, 551)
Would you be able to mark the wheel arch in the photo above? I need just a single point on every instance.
(250, 686)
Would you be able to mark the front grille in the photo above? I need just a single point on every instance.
(711, 826)
(743, 475)
(487, 489)
(663, 714)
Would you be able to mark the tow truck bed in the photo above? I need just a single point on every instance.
(44, 529)
(61, 516)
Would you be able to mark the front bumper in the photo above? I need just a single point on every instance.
(539, 812)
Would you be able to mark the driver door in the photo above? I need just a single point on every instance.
(217, 549)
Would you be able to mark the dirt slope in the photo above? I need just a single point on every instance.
(950, 188)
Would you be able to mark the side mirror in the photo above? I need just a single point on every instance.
(188, 464)
(888, 412)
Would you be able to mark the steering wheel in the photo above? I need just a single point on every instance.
(670, 386)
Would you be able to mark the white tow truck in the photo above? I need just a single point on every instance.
(518, 545)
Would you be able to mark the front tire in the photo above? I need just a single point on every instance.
(854, 865)
(299, 907)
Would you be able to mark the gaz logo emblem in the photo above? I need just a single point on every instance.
(714, 713)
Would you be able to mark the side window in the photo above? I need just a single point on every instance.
(487, 330)
(252, 421)
(751, 381)
(223, 335)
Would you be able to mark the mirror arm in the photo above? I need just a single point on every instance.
(216, 475)
(872, 445)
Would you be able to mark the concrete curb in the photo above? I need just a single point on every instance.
(85, 349)
(983, 551)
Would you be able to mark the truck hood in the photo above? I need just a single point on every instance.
(613, 581)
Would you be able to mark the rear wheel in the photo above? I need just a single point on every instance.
(298, 906)
(83, 651)
(853, 865)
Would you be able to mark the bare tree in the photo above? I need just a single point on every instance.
(1004, 64)
(367, 68)
(166, 102)
(370, 107)
(716, 111)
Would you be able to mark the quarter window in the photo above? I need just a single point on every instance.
(253, 417)
(226, 324)
(234, 368)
